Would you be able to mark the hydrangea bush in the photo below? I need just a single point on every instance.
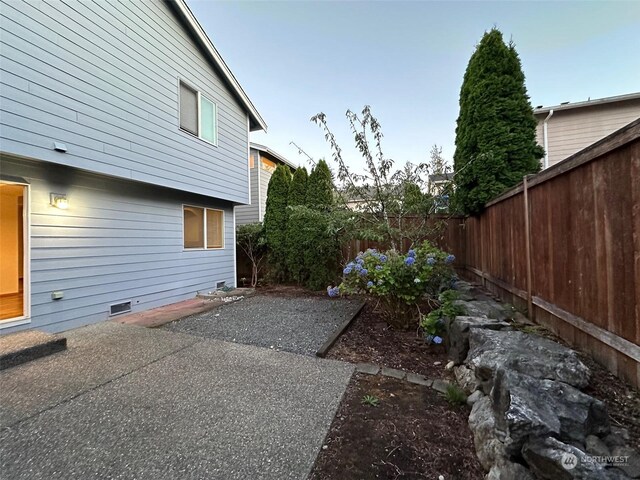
(399, 281)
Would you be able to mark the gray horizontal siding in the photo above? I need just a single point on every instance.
(102, 77)
(250, 213)
(118, 241)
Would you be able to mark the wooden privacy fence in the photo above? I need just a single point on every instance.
(566, 244)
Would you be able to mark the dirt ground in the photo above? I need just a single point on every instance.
(413, 433)
(370, 340)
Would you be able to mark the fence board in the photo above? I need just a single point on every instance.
(585, 249)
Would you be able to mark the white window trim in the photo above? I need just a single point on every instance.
(204, 219)
(215, 113)
(26, 287)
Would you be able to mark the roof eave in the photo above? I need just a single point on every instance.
(276, 155)
(256, 121)
(588, 103)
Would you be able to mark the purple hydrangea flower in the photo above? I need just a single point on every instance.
(383, 258)
(347, 270)
(363, 272)
(333, 292)
(437, 340)
(369, 284)
(431, 261)
(411, 253)
(378, 267)
(450, 259)
(360, 261)
(429, 338)
(409, 261)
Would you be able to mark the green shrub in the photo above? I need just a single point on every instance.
(433, 323)
(399, 282)
(295, 227)
(275, 222)
(316, 234)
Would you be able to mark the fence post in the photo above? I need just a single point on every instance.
(527, 228)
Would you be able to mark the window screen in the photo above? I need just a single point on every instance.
(188, 109)
(193, 227)
(214, 229)
(207, 120)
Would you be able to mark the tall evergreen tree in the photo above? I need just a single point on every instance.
(320, 186)
(275, 221)
(295, 227)
(496, 129)
(298, 187)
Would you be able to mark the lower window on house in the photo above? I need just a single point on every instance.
(203, 228)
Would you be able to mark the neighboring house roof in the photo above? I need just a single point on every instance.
(256, 122)
(276, 155)
(587, 103)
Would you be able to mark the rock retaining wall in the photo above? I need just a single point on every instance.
(530, 418)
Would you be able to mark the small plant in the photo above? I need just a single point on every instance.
(370, 400)
(455, 395)
(433, 323)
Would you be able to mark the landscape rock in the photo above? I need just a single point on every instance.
(474, 397)
(551, 459)
(619, 437)
(440, 385)
(466, 379)
(482, 422)
(631, 467)
(527, 407)
(484, 308)
(458, 334)
(523, 353)
(506, 470)
(595, 446)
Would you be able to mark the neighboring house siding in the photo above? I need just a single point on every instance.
(250, 213)
(102, 78)
(265, 176)
(118, 241)
(574, 129)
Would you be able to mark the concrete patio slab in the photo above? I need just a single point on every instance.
(294, 324)
(211, 409)
(95, 355)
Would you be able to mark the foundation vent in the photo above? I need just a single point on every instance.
(119, 308)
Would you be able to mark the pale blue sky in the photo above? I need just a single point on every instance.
(407, 59)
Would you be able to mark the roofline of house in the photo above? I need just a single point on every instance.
(588, 103)
(276, 155)
(183, 9)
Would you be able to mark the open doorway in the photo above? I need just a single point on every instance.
(13, 245)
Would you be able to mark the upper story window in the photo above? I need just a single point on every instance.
(198, 114)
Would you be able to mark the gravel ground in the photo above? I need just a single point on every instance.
(293, 324)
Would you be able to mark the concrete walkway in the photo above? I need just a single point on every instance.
(130, 402)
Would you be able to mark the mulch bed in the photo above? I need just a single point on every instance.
(413, 433)
(369, 339)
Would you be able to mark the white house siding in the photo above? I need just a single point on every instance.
(572, 130)
(102, 77)
(118, 241)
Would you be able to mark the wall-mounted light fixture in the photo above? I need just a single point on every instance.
(59, 200)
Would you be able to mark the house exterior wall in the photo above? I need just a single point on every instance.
(260, 176)
(251, 213)
(574, 129)
(103, 78)
(118, 241)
